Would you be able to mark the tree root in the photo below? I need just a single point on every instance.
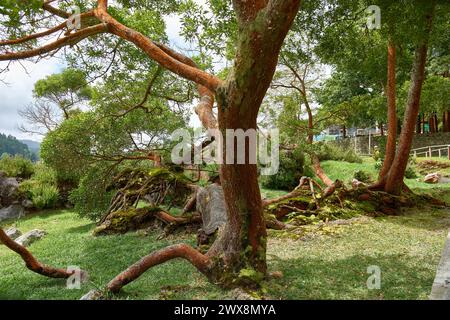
(198, 260)
(30, 261)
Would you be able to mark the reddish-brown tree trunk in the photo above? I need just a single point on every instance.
(419, 125)
(394, 183)
(436, 122)
(243, 242)
(432, 124)
(446, 121)
(392, 111)
(315, 161)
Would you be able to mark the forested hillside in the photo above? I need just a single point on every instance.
(12, 146)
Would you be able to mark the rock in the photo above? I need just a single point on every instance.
(13, 233)
(92, 295)
(8, 190)
(211, 206)
(27, 204)
(13, 211)
(432, 178)
(32, 236)
(435, 177)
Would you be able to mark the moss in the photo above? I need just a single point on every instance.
(250, 276)
(123, 221)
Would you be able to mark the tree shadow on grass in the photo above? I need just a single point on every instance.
(427, 218)
(305, 278)
(82, 229)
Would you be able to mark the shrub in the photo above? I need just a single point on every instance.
(362, 176)
(42, 188)
(333, 151)
(16, 166)
(92, 197)
(289, 173)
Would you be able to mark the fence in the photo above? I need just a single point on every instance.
(429, 151)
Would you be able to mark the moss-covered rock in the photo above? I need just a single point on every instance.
(123, 221)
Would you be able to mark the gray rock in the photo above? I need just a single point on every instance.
(435, 177)
(8, 190)
(13, 233)
(32, 236)
(27, 204)
(211, 205)
(92, 295)
(13, 211)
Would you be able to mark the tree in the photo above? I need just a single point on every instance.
(262, 27)
(57, 97)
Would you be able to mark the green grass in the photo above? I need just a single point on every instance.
(344, 171)
(326, 266)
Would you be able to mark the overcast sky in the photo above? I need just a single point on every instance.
(17, 93)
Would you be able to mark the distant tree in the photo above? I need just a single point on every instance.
(57, 97)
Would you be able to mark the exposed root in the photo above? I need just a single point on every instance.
(30, 261)
(198, 260)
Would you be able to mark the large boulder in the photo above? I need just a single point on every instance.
(211, 206)
(436, 178)
(13, 211)
(9, 190)
(30, 237)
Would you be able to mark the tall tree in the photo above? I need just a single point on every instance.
(262, 27)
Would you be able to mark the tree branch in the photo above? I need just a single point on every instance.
(200, 261)
(30, 260)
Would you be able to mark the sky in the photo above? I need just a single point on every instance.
(17, 92)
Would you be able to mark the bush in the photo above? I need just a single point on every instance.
(92, 197)
(289, 173)
(16, 166)
(333, 151)
(42, 188)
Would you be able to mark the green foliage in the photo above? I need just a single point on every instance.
(91, 199)
(16, 166)
(289, 173)
(42, 187)
(66, 149)
(339, 152)
(362, 176)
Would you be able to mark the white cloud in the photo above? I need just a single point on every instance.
(18, 92)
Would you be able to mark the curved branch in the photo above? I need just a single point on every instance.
(200, 261)
(70, 39)
(43, 33)
(56, 11)
(30, 260)
(155, 53)
(204, 109)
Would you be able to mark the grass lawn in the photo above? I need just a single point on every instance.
(330, 265)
